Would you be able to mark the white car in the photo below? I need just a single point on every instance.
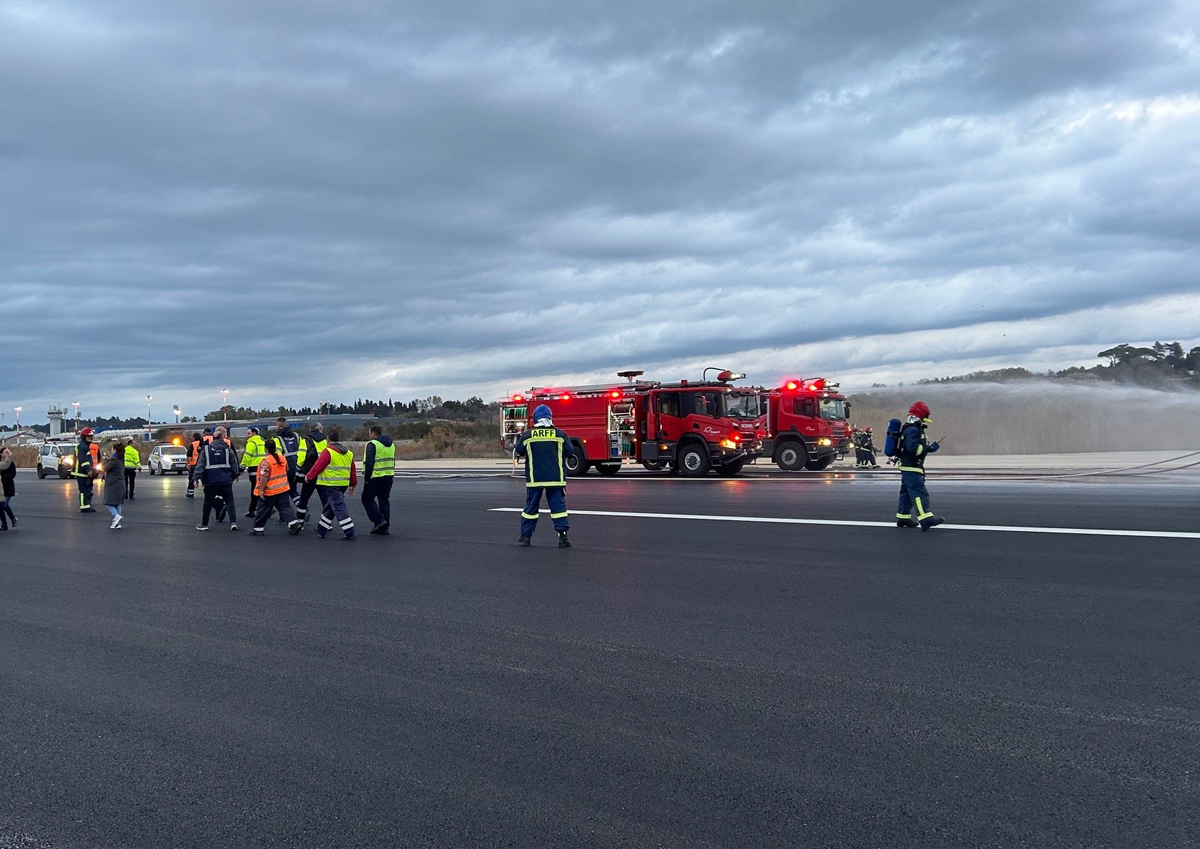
(56, 458)
(168, 458)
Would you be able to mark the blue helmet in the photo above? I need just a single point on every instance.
(542, 412)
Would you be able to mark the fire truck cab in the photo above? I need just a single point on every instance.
(805, 426)
(688, 427)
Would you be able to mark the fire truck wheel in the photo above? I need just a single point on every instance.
(654, 465)
(728, 470)
(791, 456)
(693, 461)
(578, 465)
(818, 465)
(608, 469)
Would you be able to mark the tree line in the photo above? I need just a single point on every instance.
(432, 407)
(1162, 365)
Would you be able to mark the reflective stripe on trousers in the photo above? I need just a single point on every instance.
(334, 510)
(556, 500)
(913, 495)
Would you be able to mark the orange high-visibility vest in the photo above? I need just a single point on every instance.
(95, 449)
(272, 476)
(194, 453)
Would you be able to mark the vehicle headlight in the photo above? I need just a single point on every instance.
(824, 441)
(70, 461)
(728, 443)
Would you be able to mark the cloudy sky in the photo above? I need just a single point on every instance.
(301, 200)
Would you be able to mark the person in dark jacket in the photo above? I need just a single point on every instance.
(114, 485)
(914, 448)
(217, 468)
(288, 442)
(867, 446)
(193, 453)
(379, 470)
(84, 471)
(8, 488)
(544, 446)
(311, 447)
(133, 462)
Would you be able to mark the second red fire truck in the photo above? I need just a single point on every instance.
(805, 424)
(688, 427)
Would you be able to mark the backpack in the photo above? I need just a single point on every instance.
(891, 445)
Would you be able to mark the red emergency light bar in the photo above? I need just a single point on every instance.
(815, 385)
(518, 398)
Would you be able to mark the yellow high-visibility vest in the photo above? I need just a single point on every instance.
(337, 473)
(256, 450)
(385, 460)
(319, 444)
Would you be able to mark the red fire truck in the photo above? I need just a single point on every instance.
(689, 427)
(806, 424)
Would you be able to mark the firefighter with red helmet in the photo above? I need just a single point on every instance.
(84, 470)
(913, 449)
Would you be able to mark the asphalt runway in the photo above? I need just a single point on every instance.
(666, 682)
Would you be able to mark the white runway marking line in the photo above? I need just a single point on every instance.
(848, 523)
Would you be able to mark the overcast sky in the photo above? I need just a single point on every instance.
(304, 200)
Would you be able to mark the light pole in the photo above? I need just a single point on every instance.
(149, 398)
(75, 404)
(176, 410)
(224, 395)
(18, 409)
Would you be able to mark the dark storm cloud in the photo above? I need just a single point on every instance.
(303, 200)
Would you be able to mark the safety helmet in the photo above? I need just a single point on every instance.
(87, 431)
(919, 409)
(868, 429)
(542, 412)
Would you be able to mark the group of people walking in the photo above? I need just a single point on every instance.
(285, 471)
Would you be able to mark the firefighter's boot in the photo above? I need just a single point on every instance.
(523, 542)
(906, 523)
(563, 542)
(931, 522)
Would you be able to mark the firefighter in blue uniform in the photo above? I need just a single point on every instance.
(84, 471)
(914, 447)
(543, 448)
